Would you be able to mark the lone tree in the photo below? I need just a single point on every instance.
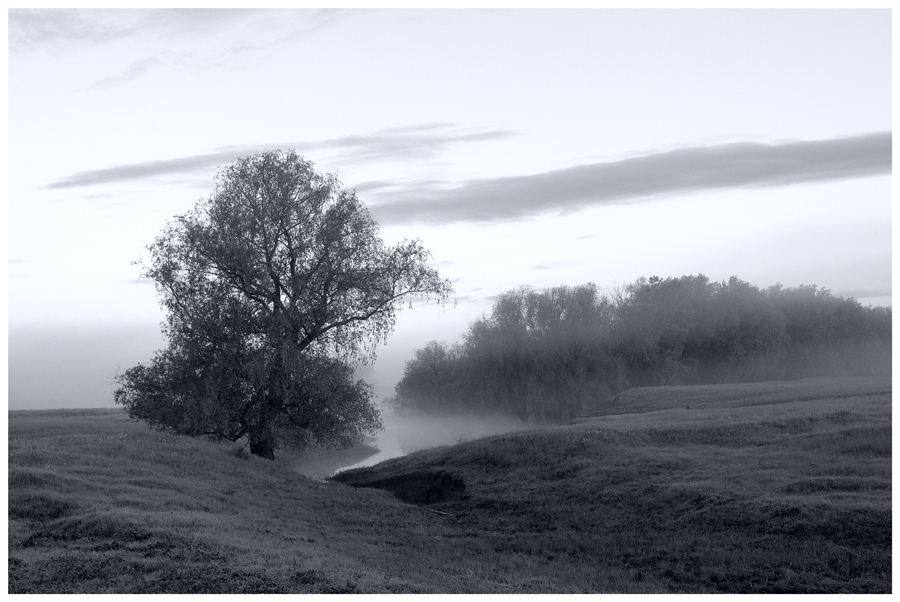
(272, 287)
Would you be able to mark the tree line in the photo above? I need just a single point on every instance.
(553, 354)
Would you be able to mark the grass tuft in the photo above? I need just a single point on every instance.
(38, 506)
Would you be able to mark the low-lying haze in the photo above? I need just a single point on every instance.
(405, 434)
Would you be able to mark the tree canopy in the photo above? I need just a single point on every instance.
(552, 354)
(272, 287)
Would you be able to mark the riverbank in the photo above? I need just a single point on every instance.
(789, 495)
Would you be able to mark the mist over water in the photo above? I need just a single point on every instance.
(405, 434)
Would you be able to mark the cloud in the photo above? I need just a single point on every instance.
(415, 141)
(217, 35)
(418, 141)
(312, 21)
(131, 72)
(31, 29)
(18, 265)
(272, 28)
(147, 169)
(556, 265)
(680, 171)
(373, 185)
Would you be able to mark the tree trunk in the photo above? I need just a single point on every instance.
(260, 434)
(262, 448)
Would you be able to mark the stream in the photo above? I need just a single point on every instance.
(403, 435)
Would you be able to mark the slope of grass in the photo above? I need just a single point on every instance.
(790, 496)
(775, 487)
(99, 504)
(743, 394)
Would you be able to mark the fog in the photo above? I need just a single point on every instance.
(66, 367)
(61, 366)
(55, 366)
(407, 434)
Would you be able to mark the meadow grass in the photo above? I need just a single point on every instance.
(788, 493)
(772, 487)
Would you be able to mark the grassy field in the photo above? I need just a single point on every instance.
(773, 487)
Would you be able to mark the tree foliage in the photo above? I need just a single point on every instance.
(272, 287)
(552, 354)
(431, 379)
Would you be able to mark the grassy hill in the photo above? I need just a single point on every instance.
(771, 487)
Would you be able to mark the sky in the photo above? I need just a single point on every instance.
(522, 147)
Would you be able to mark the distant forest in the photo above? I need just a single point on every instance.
(551, 355)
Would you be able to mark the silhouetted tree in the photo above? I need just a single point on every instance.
(272, 286)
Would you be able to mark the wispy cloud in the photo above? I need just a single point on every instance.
(285, 26)
(215, 37)
(679, 171)
(555, 266)
(147, 169)
(131, 72)
(422, 141)
(418, 141)
(371, 185)
(32, 29)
